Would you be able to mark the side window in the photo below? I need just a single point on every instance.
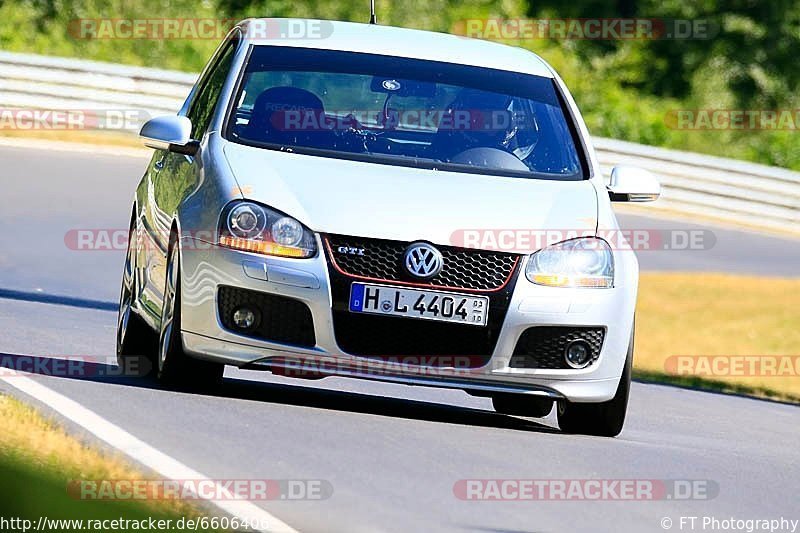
(202, 108)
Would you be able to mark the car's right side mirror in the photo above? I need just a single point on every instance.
(633, 184)
(169, 132)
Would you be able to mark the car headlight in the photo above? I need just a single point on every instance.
(256, 228)
(585, 262)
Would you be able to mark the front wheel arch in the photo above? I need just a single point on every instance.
(175, 366)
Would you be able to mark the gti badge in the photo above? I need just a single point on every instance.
(423, 260)
(350, 250)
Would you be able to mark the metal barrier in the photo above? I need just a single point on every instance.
(44, 82)
(727, 189)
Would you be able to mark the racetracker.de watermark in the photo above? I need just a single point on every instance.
(502, 240)
(200, 489)
(598, 29)
(523, 240)
(733, 119)
(116, 239)
(22, 119)
(288, 117)
(73, 366)
(196, 29)
(733, 365)
(585, 489)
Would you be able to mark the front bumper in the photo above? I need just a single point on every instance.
(206, 267)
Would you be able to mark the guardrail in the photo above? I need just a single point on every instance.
(727, 189)
(44, 82)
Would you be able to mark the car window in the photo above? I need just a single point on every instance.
(404, 111)
(202, 108)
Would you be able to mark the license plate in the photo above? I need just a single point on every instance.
(415, 303)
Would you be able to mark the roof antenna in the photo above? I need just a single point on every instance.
(372, 18)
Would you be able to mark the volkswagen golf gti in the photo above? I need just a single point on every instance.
(368, 202)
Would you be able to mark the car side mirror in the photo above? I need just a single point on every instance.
(169, 132)
(632, 184)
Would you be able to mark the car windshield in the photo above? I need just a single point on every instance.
(404, 112)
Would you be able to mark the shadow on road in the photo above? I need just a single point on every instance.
(54, 299)
(86, 369)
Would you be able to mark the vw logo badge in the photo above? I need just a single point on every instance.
(423, 260)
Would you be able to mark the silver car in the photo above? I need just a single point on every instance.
(369, 203)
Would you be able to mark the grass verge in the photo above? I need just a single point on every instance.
(38, 459)
(700, 314)
(97, 137)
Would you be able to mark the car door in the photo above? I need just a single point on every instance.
(172, 177)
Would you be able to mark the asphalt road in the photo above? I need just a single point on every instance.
(391, 453)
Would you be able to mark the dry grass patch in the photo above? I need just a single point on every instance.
(38, 458)
(719, 314)
(96, 137)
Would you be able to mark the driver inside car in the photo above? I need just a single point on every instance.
(474, 119)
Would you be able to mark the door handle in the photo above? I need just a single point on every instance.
(158, 165)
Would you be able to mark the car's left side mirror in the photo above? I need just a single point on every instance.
(169, 132)
(632, 184)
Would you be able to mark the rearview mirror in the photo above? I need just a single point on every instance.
(169, 132)
(400, 87)
(632, 184)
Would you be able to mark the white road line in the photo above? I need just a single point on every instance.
(143, 452)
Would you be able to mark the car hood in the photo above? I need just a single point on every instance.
(407, 204)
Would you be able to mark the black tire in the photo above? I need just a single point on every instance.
(522, 405)
(604, 419)
(175, 367)
(137, 343)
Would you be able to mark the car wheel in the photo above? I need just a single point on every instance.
(603, 419)
(522, 405)
(137, 343)
(174, 365)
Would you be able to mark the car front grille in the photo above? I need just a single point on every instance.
(282, 320)
(409, 339)
(382, 260)
(543, 346)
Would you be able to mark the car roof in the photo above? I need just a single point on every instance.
(399, 42)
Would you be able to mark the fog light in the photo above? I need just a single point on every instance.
(578, 354)
(245, 318)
